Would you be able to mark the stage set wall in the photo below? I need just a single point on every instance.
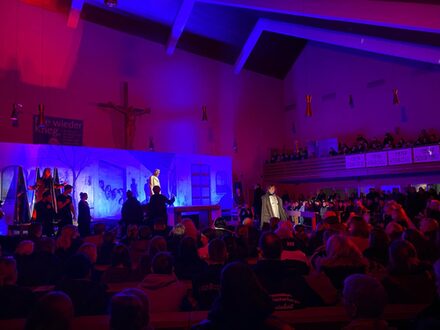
(42, 60)
(331, 74)
(106, 174)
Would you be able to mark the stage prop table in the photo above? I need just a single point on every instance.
(206, 213)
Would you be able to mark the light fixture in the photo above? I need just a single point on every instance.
(41, 119)
(151, 144)
(111, 3)
(396, 96)
(16, 109)
(204, 113)
(350, 101)
(309, 105)
(235, 146)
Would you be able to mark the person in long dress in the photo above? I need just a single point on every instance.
(84, 217)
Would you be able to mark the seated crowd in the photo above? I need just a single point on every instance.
(240, 274)
(361, 145)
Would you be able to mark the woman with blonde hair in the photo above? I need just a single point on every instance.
(343, 259)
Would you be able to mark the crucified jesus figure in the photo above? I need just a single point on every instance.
(130, 113)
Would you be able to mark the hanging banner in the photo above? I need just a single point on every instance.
(374, 159)
(426, 154)
(400, 156)
(355, 161)
(61, 131)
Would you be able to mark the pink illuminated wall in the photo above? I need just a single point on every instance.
(71, 70)
(331, 74)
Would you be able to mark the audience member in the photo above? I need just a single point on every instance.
(68, 242)
(53, 311)
(242, 304)
(188, 263)
(206, 286)
(129, 309)
(164, 290)
(120, 270)
(88, 297)
(429, 318)
(343, 259)
(15, 301)
(409, 281)
(365, 300)
(284, 283)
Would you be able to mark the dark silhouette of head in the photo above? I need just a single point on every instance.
(129, 309)
(271, 246)
(52, 312)
(162, 263)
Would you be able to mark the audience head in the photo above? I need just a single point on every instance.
(178, 230)
(78, 267)
(329, 233)
(402, 256)
(364, 297)
(132, 231)
(89, 250)
(378, 239)
(241, 293)
(394, 231)
(121, 256)
(25, 248)
(47, 245)
(8, 271)
(144, 232)
(157, 244)
(52, 312)
(358, 227)
(284, 230)
(35, 230)
(129, 309)
(416, 238)
(83, 196)
(188, 249)
(341, 250)
(190, 228)
(99, 228)
(68, 234)
(108, 237)
(429, 228)
(271, 246)
(156, 190)
(162, 264)
(129, 194)
(217, 251)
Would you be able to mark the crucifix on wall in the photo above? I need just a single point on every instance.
(130, 113)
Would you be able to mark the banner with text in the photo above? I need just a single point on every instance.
(61, 131)
(426, 154)
(400, 156)
(375, 159)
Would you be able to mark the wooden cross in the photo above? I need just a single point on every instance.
(130, 113)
